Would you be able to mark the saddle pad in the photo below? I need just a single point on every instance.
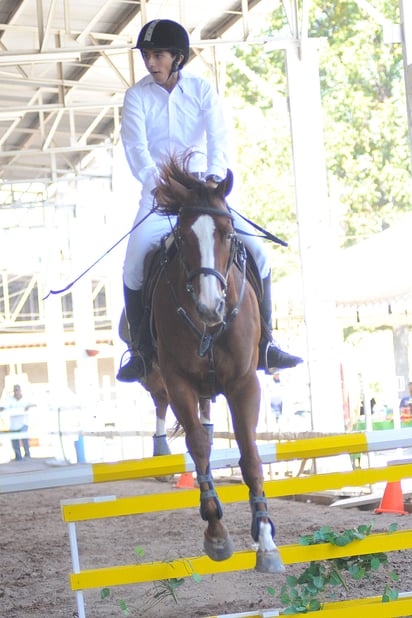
(153, 267)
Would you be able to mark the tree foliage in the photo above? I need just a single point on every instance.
(365, 124)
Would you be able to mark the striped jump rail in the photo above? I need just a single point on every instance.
(311, 448)
(106, 507)
(370, 607)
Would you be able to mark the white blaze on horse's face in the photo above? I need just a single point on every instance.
(211, 299)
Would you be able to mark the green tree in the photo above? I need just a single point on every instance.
(365, 125)
(366, 133)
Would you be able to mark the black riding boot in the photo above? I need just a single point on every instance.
(271, 357)
(140, 361)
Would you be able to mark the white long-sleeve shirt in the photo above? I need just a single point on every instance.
(17, 411)
(157, 123)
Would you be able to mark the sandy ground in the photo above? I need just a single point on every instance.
(36, 562)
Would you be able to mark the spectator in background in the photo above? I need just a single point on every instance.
(405, 406)
(407, 400)
(276, 397)
(18, 407)
(372, 405)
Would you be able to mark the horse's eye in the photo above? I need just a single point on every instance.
(230, 236)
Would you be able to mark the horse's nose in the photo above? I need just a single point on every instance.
(212, 315)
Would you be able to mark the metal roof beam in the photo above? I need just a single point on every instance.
(143, 12)
(50, 107)
(112, 66)
(56, 150)
(40, 22)
(48, 27)
(101, 36)
(245, 18)
(9, 131)
(61, 134)
(50, 83)
(52, 130)
(87, 30)
(23, 298)
(33, 55)
(67, 21)
(92, 126)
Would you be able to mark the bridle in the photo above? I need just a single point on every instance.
(237, 254)
(204, 270)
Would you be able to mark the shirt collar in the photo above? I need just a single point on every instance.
(148, 80)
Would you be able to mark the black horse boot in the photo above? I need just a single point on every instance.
(140, 361)
(271, 357)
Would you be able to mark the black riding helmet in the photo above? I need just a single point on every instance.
(167, 35)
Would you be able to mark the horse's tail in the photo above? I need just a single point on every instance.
(177, 430)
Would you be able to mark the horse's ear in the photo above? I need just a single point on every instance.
(226, 185)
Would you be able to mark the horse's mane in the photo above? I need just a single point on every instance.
(177, 187)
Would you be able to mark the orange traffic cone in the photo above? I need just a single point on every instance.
(392, 499)
(185, 481)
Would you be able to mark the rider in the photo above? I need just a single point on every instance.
(168, 112)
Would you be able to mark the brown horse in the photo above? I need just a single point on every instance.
(207, 325)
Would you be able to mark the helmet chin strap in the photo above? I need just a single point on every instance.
(175, 67)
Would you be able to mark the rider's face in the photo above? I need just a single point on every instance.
(159, 63)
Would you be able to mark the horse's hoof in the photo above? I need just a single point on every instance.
(219, 550)
(269, 562)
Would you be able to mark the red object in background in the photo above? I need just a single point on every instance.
(392, 500)
(92, 352)
(186, 481)
(406, 413)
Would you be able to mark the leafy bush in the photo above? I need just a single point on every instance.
(308, 592)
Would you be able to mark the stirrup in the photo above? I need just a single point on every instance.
(136, 368)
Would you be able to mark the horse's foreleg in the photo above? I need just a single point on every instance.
(218, 544)
(268, 558)
(204, 416)
(160, 444)
(244, 403)
(161, 403)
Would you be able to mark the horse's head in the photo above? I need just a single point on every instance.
(204, 234)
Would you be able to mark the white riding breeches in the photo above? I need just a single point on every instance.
(254, 244)
(147, 236)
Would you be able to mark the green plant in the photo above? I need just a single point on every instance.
(167, 588)
(308, 592)
(162, 590)
(105, 593)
